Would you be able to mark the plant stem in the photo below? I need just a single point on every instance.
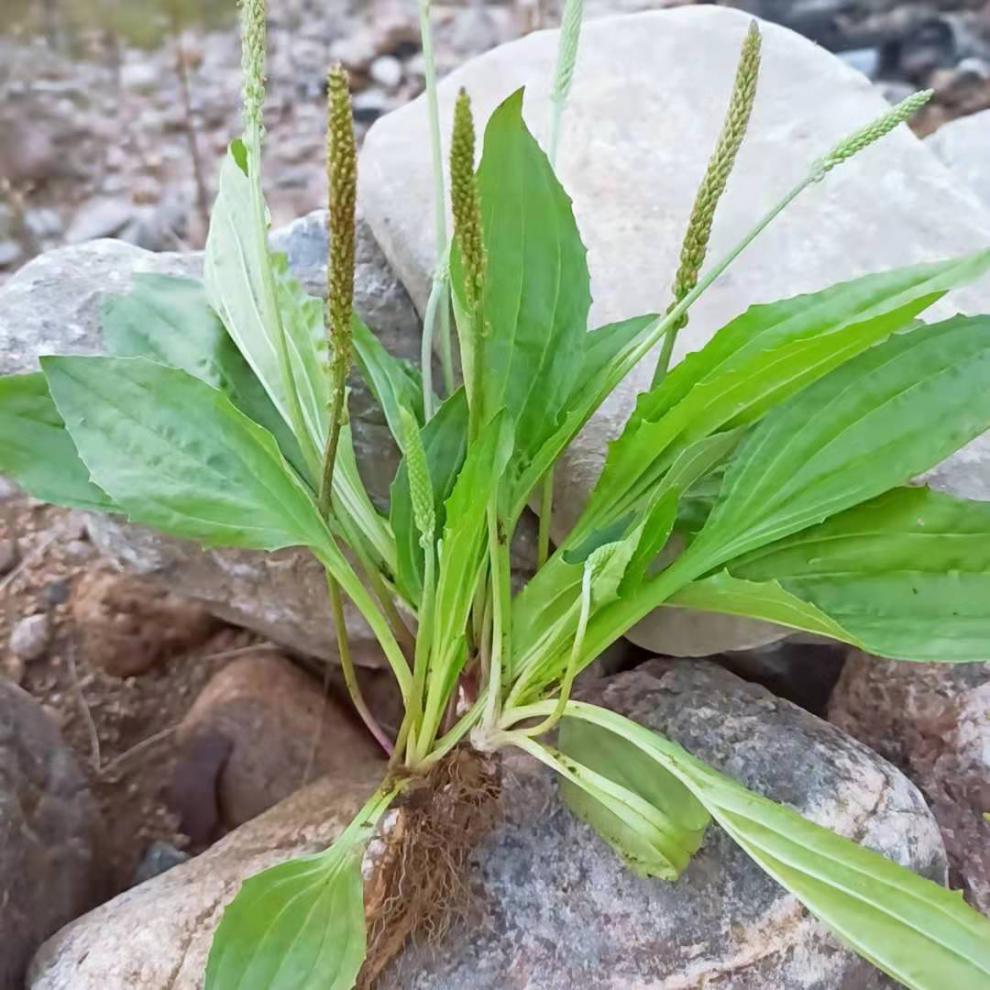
(441, 280)
(501, 603)
(347, 666)
(333, 441)
(333, 561)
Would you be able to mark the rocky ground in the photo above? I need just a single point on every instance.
(105, 138)
(172, 722)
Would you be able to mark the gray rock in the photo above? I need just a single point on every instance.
(634, 146)
(159, 858)
(933, 721)
(49, 865)
(10, 253)
(9, 554)
(557, 908)
(30, 636)
(100, 218)
(964, 145)
(51, 306)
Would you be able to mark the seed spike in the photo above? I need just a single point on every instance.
(465, 203)
(873, 131)
(695, 246)
(342, 204)
(254, 36)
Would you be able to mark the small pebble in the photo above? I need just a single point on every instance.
(386, 70)
(56, 592)
(8, 555)
(160, 857)
(30, 637)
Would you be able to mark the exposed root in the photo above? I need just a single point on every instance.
(420, 884)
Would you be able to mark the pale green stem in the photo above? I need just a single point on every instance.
(421, 664)
(441, 305)
(437, 291)
(464, 725)
(337, 565)
(501, 604)
(566, 56)
(567, 681)
(347, 667)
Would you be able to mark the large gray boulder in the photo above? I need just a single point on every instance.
(557, 908)
(646, 107)
(50, 865)
(964, 145)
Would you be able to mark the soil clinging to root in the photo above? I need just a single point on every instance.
(420, 883)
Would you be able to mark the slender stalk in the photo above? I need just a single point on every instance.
(347, 667)
(567, 51)
(253, 60)
(501, 605)
(441, 280)
(567, 681)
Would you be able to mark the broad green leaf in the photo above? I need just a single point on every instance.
(169, 320)
(764, 328)
(445, 441)
(766, 600)
(296, 926)
(536, 296)
(37, 452)
(756, 362)
(647, 816)
(261, 306)
(919, 933)
(395, 384)
(175, 454)
(905, 575)
(871, 425)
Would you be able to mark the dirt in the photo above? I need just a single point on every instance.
(121, 728)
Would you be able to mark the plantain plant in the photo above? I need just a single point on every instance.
(766, 475)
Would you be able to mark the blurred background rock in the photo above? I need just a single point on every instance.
(114, 113)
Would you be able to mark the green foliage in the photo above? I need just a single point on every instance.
(37, 452)
(905, 575)
(764, 476)
(175, 454)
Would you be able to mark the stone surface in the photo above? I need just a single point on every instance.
(932, 720)
(30, 636)
(964, 145)
(634, 145)
(49, 864)
(157, 935)
(129, 626)
(258, 731)
(558, 910)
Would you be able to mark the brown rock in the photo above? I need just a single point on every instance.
(258, 731)
(49, 867)
(129, 626)
(932, 720)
